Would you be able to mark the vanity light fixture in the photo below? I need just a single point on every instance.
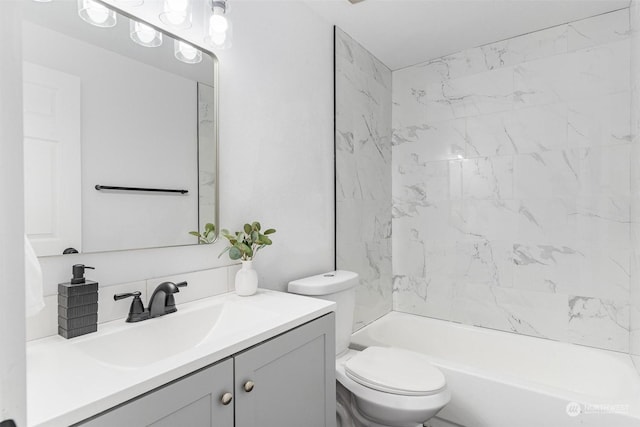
(144, 35)
(177, 13)
(96, 14)
(187, 53)
(217, 25)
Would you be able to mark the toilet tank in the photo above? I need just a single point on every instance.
(337, 286)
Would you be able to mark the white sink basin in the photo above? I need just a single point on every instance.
(134, 345)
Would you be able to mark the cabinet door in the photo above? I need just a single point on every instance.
(194, 401)
(293, 377)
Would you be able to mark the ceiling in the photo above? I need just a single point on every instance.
(405, 32)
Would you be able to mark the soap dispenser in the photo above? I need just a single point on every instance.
(77, 304)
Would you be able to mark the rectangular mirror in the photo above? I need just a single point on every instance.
(101, 111)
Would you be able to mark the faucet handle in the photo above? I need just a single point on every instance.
(135, 294)
(181, 284)
(136, 310)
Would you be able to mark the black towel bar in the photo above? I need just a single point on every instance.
(153, 190)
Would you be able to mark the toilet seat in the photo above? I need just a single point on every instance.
(390, 408)
(395, 371)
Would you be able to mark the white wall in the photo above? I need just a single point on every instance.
(276, 151)
(12, 327)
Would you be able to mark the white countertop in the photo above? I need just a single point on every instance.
(65, 384)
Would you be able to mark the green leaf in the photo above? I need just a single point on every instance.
(209, 228)
(225, 251)
(270, 231)
(194, 233)
(256, 225)
(234, 253)
(247, 228)
(246, 250)
(265, 240)
(255, 236)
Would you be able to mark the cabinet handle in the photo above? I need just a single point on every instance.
(248, 386)
(226, 398)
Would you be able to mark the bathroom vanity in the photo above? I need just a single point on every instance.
(223, 361)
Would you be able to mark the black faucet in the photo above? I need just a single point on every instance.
(161, 302)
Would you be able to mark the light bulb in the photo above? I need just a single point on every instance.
(131, 3)
(218, 39)
(145, 33)
(96, 14)
(175, 18)
(178, 5)
(187, 53)
(177, 13)
(218, 24)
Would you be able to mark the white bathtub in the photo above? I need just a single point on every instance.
(500, 379)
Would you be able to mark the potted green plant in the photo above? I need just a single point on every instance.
(244, 246)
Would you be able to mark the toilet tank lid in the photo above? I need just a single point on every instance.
(324, 284)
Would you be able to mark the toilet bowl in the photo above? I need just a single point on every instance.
(398, 406)
(378, 386)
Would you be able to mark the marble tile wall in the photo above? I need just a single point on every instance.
(363, 175)
(634, 331)
(511, 184)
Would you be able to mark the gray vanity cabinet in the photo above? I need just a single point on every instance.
(287, 381)
(191, 401)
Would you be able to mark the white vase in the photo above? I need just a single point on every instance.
(246, 280)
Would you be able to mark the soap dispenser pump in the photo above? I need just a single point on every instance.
(78, 273)
(77, 304)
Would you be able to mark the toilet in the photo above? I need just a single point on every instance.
(378, 386)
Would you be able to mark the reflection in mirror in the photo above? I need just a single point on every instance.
(115, 107)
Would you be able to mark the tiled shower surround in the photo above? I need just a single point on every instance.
(363, 169)
(511, 184)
